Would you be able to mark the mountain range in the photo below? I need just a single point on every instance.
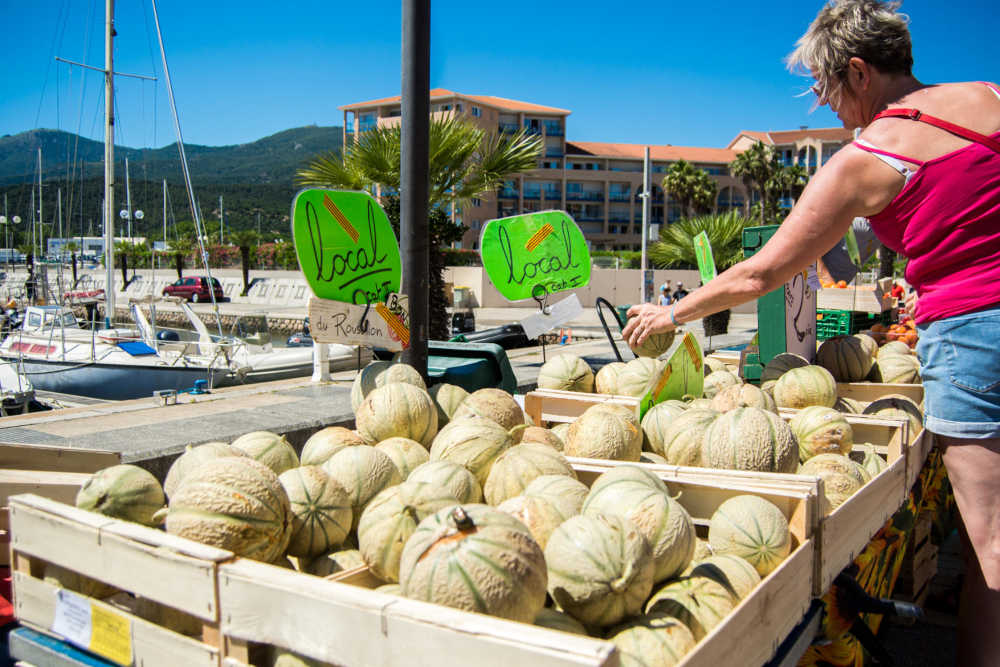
(255, 180)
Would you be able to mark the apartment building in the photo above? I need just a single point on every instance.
(599, 184)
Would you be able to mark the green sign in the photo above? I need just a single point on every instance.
(851, 240)
(345, 246)
(706, 261)
(683, 376)
(524, 253)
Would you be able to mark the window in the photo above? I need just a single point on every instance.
(458, 108)
(477, 112)
(367, 121)
(300, 291)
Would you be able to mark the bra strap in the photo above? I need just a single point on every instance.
(965, 133)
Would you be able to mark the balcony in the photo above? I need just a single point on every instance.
(532, 194)
(507, 194)
(591, 227)
(530, 129)
(508, 128)
(585, 196)
(553, 195)
(554, 152)
(618, 196)
(554, 131)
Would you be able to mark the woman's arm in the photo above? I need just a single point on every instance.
(851, 184)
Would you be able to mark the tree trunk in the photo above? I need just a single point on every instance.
(179, 265)
(124, 262)
(886, 258)
(245, 266)
(73, 259)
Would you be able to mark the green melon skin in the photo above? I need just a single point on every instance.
(397, 410)
(124, 492)
(600, 569)
(750, 439)
(841, 477)
(448, 398)
(321, 511)
(363, 472)
(654, 640)
(454, 477)
(233, 503)
(821, 430)
(753, 529)
(639, 375)
(896, 369)
(864, 455)
(737, 575)
(334, 562)
(191, 459)
(717, 381)
(654, 346)
(474, 442)
(699, 603)
(326, 442)
(848, 358)
(477, 558)
(802, 387)
(380, 373)
(656, 422)
(565, 493)
(271, 449)
(554, 619)
(568, 372)
(540, 516)
(682, 440)
(781, 364)
(518, 466)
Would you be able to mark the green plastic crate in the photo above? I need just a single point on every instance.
(830, 323)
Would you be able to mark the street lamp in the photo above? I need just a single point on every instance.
(6, 222)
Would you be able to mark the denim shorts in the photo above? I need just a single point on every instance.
(960, 368)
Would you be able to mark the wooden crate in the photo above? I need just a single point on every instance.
(556, 405)
(52, 472)
(920, 563)
(140, 561)
(755, 628)
(865, 298)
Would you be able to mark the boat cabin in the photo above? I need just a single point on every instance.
(41, 318)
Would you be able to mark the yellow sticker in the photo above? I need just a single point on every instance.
(111, 635)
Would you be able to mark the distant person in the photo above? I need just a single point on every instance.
(664, 299)
(680, 293)
(836, 264)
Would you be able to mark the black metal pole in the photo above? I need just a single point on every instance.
(415, 148)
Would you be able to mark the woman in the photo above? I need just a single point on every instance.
(925, 171)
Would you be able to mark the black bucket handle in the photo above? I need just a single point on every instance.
(621, 325)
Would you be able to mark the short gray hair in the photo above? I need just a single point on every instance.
(868, 29)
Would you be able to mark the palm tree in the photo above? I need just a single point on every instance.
(464, 162)
(180, 248)
(72, 247)
(755, 167)
(245, 240)
(122, 251)
(690, 186)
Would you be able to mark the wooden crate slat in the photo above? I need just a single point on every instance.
(152, 645)
(350, 626)
(55, 459)
(917, 453)
(866, 392)
(128, 556)
(60, 486)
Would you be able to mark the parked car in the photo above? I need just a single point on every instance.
(194, 288)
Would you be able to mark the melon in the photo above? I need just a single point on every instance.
(566, 371)
(848, 358)
(397, 410)
(682, 440)
(321, 511)
(447, 398)
(518, 466)
(497, 406)
(606, 380)
(650, 457)
(743, 396)
(326, 442)
(538, 514)
(474, 442)
(544, 436)
(453, 477)
(752, 528)
(699, 603)
(712, 365)
(600, 568)
(477, 558)
(895, 406)
(736, 574)
(896, 369)
(561, 430)
(702, 550)
(390, 589)
(717, 381)
(604, 433)
(750, 439)
(406, 454)
(380, 373)
(57, 575)
(821, 430)
(125, 492)
(895, 347)
(654, 346)
(700, 404)
(363, 472)
(234, 503)
(192, 459)
(848, 406)
(290, 659)
(389, 520)
(628, 474)
(865, 455)
(654, 640)
(781, 364)
(841, 477)
(664, 523)
(553, 619)
(334, 562)
(656, 422)
(566, 494)
(802, 387)
(271, 449)
(639, 376)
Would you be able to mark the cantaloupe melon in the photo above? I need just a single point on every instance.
(405, 453)
(474, 442)
(896, 369)
(711, 365)
(561, 430)
(321, 511)
(397, 409)
(233, 503)
(72, 580)
(752, 528)
(477, 558)
(781, 364)
(841, 477)
(389, 520)
(553, 619)
(600, 569)
(326, 442)
(566, 494)
(497, 406)
(743, 396)
(606, 380)
(821, 430)
(895, 347)
(271, 449)
(627, 474)
(639, 375)
(895, 406)
(363, 472)
(802, 387)
(124, 492)
(544, 436)
(848, 358)
(717, 381)
(702, 550)
(682, 440)
(604, 433)
(334, 562)
(654, 346)
(736, 574)
(447, 398)
(538, 514)
(566, 371)
(865, 455)
(454, 477)
(518, 466)
(655, 424)
(654, 640)
(650, 457)
(191, 459)
(699, 603)
(848, 406)
(380, 373)
(750, 439)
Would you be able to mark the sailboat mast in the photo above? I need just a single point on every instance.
(109, 163)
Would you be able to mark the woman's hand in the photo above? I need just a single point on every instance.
(911, 304)
(646, 319)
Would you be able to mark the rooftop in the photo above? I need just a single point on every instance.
(636, 152)
(444, 93)
(781, 137)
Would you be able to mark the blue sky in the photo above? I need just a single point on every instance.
(690, 74)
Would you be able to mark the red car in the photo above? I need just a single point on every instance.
(194, 289)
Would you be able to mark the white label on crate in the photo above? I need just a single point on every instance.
(560, 313)
(72, 619)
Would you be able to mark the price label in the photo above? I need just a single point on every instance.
(560, 313)
(684, 375)
(385, 325)
(93, 627)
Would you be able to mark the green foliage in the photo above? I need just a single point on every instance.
(691, 187)
(762, 172)
(461, 257)
(630, 259)
(675, 249)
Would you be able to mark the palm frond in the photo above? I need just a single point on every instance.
(676, 244)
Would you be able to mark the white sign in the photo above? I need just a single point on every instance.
(379, 324)
(560, 313)
(800, 317)
(72, 619)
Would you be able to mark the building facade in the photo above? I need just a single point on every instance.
(598, 184)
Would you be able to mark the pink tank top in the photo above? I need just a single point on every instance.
(946, 220)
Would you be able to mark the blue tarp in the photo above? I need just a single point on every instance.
(136, 348)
